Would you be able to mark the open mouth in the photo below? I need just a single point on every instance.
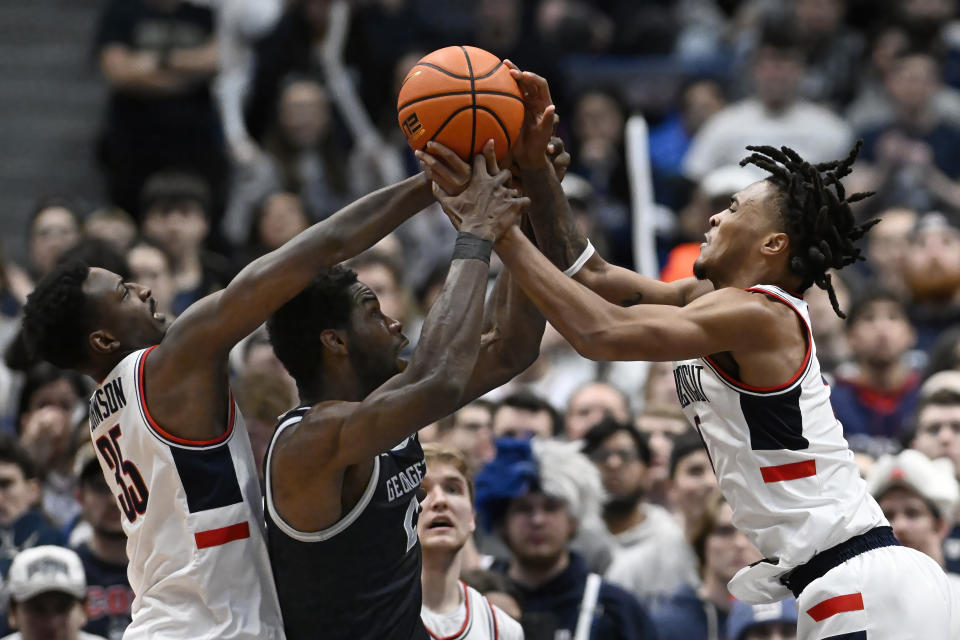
(159, 317)
(440, 523)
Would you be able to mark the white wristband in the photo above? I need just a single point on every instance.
(573, 269)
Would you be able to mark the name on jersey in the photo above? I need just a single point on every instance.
(406, 481)
(689, 385)
(106, 401)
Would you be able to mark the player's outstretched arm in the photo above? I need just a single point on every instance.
(556, 233)
(434, 382)
(600, 330)
(212, 326)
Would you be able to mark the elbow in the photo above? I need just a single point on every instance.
(595, 345)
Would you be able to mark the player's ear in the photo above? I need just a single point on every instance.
(775, 244)
(101, 341)
(334, 340)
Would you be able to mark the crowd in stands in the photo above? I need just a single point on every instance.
(233, 125)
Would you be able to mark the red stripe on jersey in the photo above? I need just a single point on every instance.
(493, 614)
(160, 430)
(466, 618)
(803, 365)
(223, 535)
(792, 471)
(835, 605)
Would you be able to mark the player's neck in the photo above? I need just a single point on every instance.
(333, 385)
(439, 578)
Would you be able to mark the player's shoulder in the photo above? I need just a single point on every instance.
(739, 304)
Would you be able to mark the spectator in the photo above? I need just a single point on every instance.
(262, 395)
(104, 555)
(54, 228)
(113, 225)
(50, 402)
(152, 266)
(936, 431)
(22, 524)
(524, 415)
(279, 218)
(536, 494)
(654, 558)
(661, 425)
(470, 431)
(445, 525)
(692, 481)
(699, 98)
(176, 215)
(829, 329)
(701, 612)
(944, 355)
(590, 404)
(776, 621)
(933, 277)
(47, 591)
(159, 59)
(774, 114)
(915, 156)
(832, 50)
(876, 399)
(919, 497)
(887, 247)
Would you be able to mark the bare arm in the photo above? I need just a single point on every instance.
(603, 331)
(553, 223)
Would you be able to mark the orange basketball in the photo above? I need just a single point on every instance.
(460, 97)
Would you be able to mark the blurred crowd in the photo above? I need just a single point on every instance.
(233, 125)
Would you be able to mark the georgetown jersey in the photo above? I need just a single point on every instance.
(359, 578)
(193, 515)
(781, 461)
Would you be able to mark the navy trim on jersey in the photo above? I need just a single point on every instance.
(854, 635)
(208, 477)
(775, 421)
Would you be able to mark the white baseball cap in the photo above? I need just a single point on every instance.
(43, 569)
(932, 480)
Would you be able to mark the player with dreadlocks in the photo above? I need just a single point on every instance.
(748, 380)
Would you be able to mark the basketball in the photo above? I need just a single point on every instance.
(460, 97)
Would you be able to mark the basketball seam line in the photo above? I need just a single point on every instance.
(473, 97)
(457, 76)
(448, 94)
(493, 113)
(447, 121)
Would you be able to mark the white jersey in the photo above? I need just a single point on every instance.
(475, 619)
(193, 515)
(781, 461)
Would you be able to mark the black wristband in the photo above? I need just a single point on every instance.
(471, 247)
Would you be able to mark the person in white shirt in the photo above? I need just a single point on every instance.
(452, 610)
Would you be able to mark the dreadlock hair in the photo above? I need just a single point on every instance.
(295, 328)
(819, 222)
(57, 316)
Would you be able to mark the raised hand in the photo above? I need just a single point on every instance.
(446, 169)
(486, 207)
(539, 121)
(558, 156)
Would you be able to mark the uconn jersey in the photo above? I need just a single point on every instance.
(192, 513)
(359, 578)
(781, 461)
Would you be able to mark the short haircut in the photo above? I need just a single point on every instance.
(170, 188)
(876, 294)
(442, 454)
(781, 34)
(12, 452)
(939, 398)
(42, 374)
(610, 426)
(58, 316)
(295, 328)
(529, 401)
(684, 445)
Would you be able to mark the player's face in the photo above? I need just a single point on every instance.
(446, 517)
(912, 520)
(727, 550)
(537, 529)
(126, 310)
(16, 493)
(736, 233)
(621, 469)
(376, 339)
